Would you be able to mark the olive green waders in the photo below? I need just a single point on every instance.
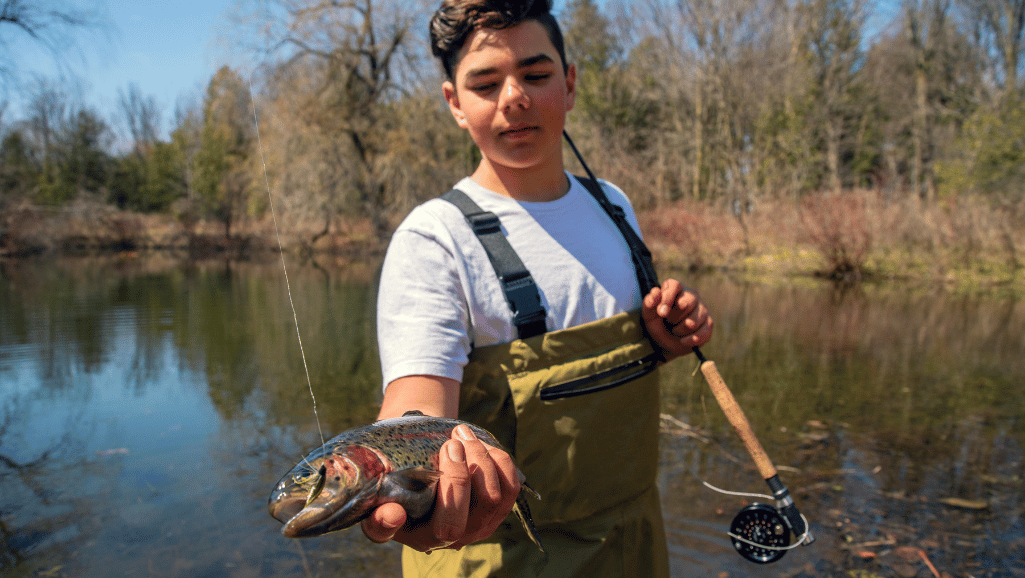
(593, 458)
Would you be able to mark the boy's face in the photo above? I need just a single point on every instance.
(511, 93)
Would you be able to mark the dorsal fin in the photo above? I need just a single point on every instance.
(413, 412)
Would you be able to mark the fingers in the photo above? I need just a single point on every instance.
(495, 484)
(452, 502)
(487, 489)
(384, 523)
(509, 478)
(451, 505)
(676, 318)
(486, 485)
(477, 489)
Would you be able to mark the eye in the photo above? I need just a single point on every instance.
(484, 87)
(536, 77)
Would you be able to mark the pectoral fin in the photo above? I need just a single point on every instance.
(415, 479)
(413, 488)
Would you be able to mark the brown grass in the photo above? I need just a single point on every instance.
(966, 241)
(850, 236)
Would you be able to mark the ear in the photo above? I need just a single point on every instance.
(571, 86)
(452, 97)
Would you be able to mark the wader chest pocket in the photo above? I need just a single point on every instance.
(603, 380)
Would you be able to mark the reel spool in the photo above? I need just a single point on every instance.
(760, 534)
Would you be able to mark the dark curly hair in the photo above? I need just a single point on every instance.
(455, 20)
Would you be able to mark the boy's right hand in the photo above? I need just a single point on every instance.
(472, 473)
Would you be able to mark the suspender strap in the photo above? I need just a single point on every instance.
(520, 289)
(639, 253)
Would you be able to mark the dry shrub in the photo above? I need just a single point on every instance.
(690, 235)
(955, 233)
(87, 224)
(20, 229)
(838, 227)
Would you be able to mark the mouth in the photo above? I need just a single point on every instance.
(334, 509)
(519, 131)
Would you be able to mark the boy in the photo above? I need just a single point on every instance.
(451, 346)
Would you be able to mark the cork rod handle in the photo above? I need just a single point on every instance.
(737, 418)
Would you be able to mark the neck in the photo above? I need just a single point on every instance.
(537, 184)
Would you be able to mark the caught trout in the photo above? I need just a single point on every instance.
(392, 460)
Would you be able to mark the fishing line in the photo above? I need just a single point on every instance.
(763, 550)
(737, 537)
(288, 287)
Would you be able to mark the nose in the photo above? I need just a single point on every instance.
(514, 95)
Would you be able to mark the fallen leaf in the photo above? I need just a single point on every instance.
(866, 554)
(963, 503)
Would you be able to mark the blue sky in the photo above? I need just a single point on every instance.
(167, 48)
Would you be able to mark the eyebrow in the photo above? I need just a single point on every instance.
(526, 62)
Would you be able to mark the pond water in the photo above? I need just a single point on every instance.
(147, 407)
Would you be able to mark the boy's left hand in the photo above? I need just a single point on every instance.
(676, 319)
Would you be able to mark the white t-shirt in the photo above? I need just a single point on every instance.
(439, 296)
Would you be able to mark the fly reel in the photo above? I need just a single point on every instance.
(760, 533)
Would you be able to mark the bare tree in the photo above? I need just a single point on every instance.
(346, 52)
(999, 26)
(141, 114)
(934, 51)
(51, 24)
(48, 110)
(832, 33)
(703, 42)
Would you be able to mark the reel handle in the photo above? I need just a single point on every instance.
(742, 426)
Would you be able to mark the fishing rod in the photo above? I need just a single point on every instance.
(760, 532)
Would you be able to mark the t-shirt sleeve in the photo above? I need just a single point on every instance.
(422, 321)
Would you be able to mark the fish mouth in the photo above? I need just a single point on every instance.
(326, 513)
(294, 491)
(284, 506)
(332, 509)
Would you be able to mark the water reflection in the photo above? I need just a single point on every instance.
(898, 411)
(148, 407)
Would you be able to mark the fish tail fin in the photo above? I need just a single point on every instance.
(522, 510)
(524, 487)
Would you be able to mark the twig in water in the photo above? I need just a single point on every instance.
(928, 563)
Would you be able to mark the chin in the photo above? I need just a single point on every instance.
(522, 159)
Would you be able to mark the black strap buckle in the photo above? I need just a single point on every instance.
(525, 302)
(484, 223)
(520, 290)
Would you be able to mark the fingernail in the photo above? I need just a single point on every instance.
(455, 452)
(465, 433)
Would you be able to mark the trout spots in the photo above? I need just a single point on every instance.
(341, 469)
